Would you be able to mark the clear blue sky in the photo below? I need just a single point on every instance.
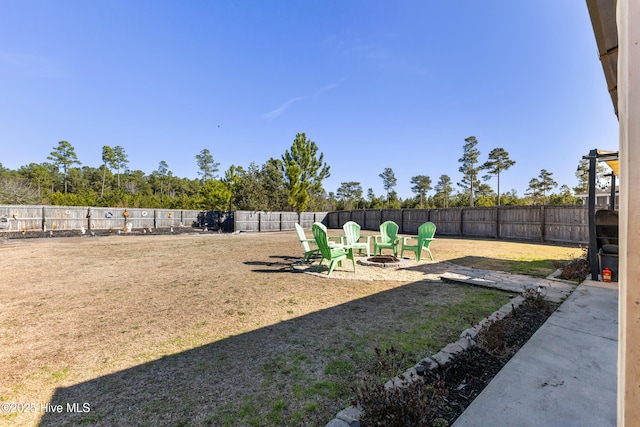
(375, 84)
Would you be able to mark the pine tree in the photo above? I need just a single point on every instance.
(63, 156)
(498, 161)
(469, 169)
(303, 169)
(388, 181)
(421, 184)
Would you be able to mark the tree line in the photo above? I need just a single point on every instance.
(291, 182)
(472, 190)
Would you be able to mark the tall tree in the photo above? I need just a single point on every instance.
(421, 184)
(469, 169)
(208, 167)
(348, 192)
(303, 169)
(498, 161)
(546, 183)
(108, 158)
(540, 186)
(444, 189)
(163, 172)
(273, 185)
(388, 181)
(120, 160)
(63, 156)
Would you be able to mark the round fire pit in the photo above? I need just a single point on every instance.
(384, 261)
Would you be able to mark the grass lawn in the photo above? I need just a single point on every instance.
(216, 329)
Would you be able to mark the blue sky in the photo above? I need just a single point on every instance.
(375, 84)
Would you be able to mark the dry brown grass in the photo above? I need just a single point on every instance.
(185, 329)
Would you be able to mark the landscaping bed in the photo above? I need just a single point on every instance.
(443, 394)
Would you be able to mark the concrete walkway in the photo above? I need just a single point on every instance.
(565, 375)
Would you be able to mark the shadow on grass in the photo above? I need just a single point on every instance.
(274, 375)
(284, 266)
(537, 268)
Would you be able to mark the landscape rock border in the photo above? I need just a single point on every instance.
(350, 416)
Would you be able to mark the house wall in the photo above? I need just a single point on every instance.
(628, 20)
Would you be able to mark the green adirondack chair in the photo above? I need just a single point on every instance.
(388, 238)
(352, 237)
(332, 254)
(424, 238)
(308, 251)
(340, 240)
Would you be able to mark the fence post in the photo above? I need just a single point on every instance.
(461, 222)
(542, 223)
(497, 222)
(44, 219)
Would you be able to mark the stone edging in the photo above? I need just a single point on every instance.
(350, 417)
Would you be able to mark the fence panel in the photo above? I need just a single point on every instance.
(191, 218)
(372, 219)
(448, 221)
(521, 222)
(394, 215)
(65, 218)
(566, 224)
(113, 218)
(332, 220)
(20, 218)
(288, 220)
(247, 221)
(358, 217)
(412, 219)
(269, 221)
(479, 222)
(211, 220)
(307, 219)
(343, 217)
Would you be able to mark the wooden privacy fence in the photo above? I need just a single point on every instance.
(549, 223)
(254, 221)
(16, 218)
(48, 218)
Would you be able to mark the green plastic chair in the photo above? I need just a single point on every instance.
(388, 238)
(424, 238)
(333, 244)
(352, 237)
(308, 251)
(332, 254)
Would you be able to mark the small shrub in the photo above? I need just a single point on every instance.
(577, 269)
(492, 337)
(413, 403)
(535, 298)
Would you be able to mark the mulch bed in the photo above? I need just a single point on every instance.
(447, 391)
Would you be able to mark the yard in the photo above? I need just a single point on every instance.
(218, 329)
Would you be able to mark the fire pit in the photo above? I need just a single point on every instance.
(384, 261)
